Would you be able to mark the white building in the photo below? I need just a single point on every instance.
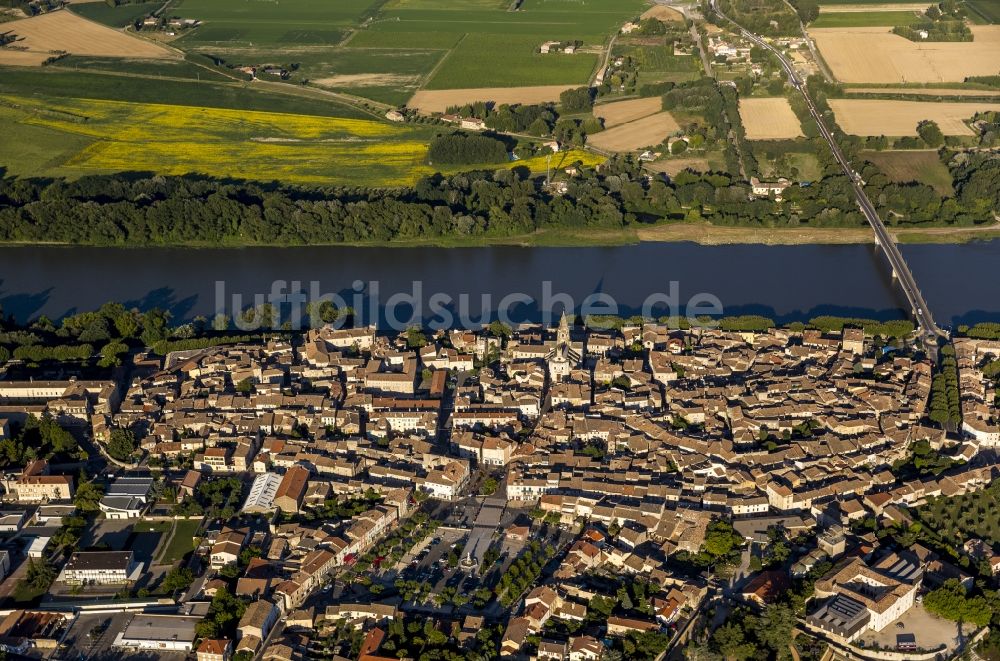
(168, 633)
(99, 568)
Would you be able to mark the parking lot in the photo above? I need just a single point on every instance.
(92, 635)
(930, 631)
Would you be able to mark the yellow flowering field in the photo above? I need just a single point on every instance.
(171, 139)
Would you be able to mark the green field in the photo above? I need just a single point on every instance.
(116, 17)
(263, 22)
(387, 75)
(21, 81)
(865, 2)
(858, 19)
(906, 166)
(151, 68)
(181, 544)
(473, 63)
(986, 11)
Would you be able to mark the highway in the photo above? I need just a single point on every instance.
(900, 270)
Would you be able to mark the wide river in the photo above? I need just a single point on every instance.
(960, 282)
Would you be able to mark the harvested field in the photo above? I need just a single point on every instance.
(769, 119)
(906, 166)
(672, 166)
(635, 135)
(898, 118)
(622, 112)
(900, 6)
(922, 91)
(64, 31)
(665, 14)
(367, 80)
(875, 55)
(441, 100)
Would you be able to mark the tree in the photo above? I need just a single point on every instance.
(461, 149)
(122, 444)
(579, 99)
(111, 354)
(951, 602)
(721, 539)
(178, 579)
(489, 486)
(930, 133)
(88, 495)
(40, 573)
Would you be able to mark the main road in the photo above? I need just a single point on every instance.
(925, 321)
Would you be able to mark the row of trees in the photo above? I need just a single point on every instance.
(945, 404)
(464, 149)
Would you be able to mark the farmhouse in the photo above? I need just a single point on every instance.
(760, 188)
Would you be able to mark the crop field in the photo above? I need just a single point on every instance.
(988, 11)
(899, 118)
(116, 17)
(865, 19)
(645, 132)
(98, 85)
(622, 112)
(65, 31)
(476, 62)
(769, 119)
(875, 55)
(268, 22)
(921, 166)
(440, 100)
(109, 136)
(923, 91)
(665, 14)
(383, 74)
(902, 5)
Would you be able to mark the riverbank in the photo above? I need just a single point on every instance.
(702, 233)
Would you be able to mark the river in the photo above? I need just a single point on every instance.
(787, 283)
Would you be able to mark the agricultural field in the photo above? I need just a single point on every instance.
(110, 136)
(797, 166)
(901, 5)
(924, 91)
(769, 119)
(477, 62)
(263, 23)
(622, 112)
(907, 166)
(99, 85)
(663, 13)
(900, 118)
(634, 135)
(986, 11)
(115, 17)
(40, 35)
(440, 100)
(389, 50)
(865, 19)
(875, 55)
